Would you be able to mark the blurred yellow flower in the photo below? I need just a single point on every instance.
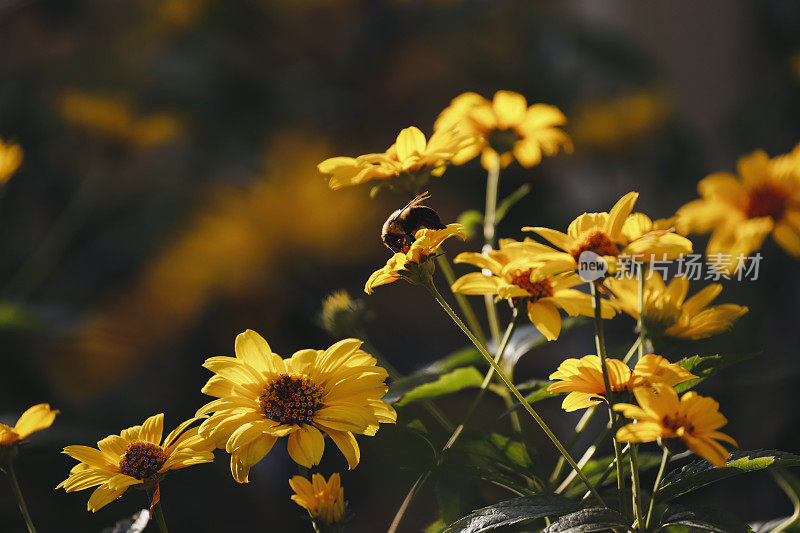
(693, 419)
(113, 118)
(324, 500)
(407, 164)
(667, 311)
(10, 160)
(583, 378)
(506, 128)
(511, 267)
(402, 265)
(611, 235)
(263, 397)
(740, 211)
(620, 121)
(135, 456)
(34, 419)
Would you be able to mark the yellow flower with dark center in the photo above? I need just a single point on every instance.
(263, 397)
(406, 264)
(583, 378)
(693, 419)
(667, 311)
(324, 500)
(506, 129)
(611, 235)
(740, 211)
(511, 267)
(407, 164)
(34, 419)
(135, 456)
(10, 160)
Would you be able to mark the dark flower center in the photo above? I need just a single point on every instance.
(597, 242)
(502, 141)
(142, 460)
(291, 399)
(767, 200)
(536, 289)
(676, 422)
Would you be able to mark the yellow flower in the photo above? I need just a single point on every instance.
(583, 378)
(511, 267)
(135, 456)
(620, 121)
(612, 235)
(114, 118)
(660, 415)
(36, 418)
(506, 127)
(10, 160)
(263, 397)
(741, 211)
(667, 311)
(324, 500)
(404, 265)
(407, 164)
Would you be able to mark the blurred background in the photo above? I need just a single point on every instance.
(169, 199)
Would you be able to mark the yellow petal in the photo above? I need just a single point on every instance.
(618, 214)
(35, 418)
(546, 318)
(305, 446)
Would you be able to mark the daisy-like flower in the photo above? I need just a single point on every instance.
(34, 419)
(263, 397)
(324, 500)
(137, 455)
(667, 311)
(406, 165)
(414, 265)
(693, 419)
(506, 129)
(741, 211)
(612, 235)
(10, 160)
(583, 378)
(511, 267)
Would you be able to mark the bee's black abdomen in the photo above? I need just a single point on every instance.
(421, 217)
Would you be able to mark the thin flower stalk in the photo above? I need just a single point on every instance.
(489, 222)
(155, 506)
(662, 467)
(23, 508)
(599, 338)
(463, 303)
(514, 390)
(420, 482)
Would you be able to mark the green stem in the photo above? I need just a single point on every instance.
(418, 484)
(640, 322)
(461, 300)
(637, 493)
(661, 468)
(514, 390)
(12, 479)
(600, 342)
(489, 220)
(156, 511)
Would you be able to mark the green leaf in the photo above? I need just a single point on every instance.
(588, 520)
(705, 519)
(701, 473)
(705, 367)
(501, 449)
(432, 372)
(514, 511)
(509, 201)
(539, 393)
(470, 219)
(454, 381)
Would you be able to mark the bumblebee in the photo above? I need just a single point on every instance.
(399, 229)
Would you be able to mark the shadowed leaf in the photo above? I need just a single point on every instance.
(704, 519)
(514, 511)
